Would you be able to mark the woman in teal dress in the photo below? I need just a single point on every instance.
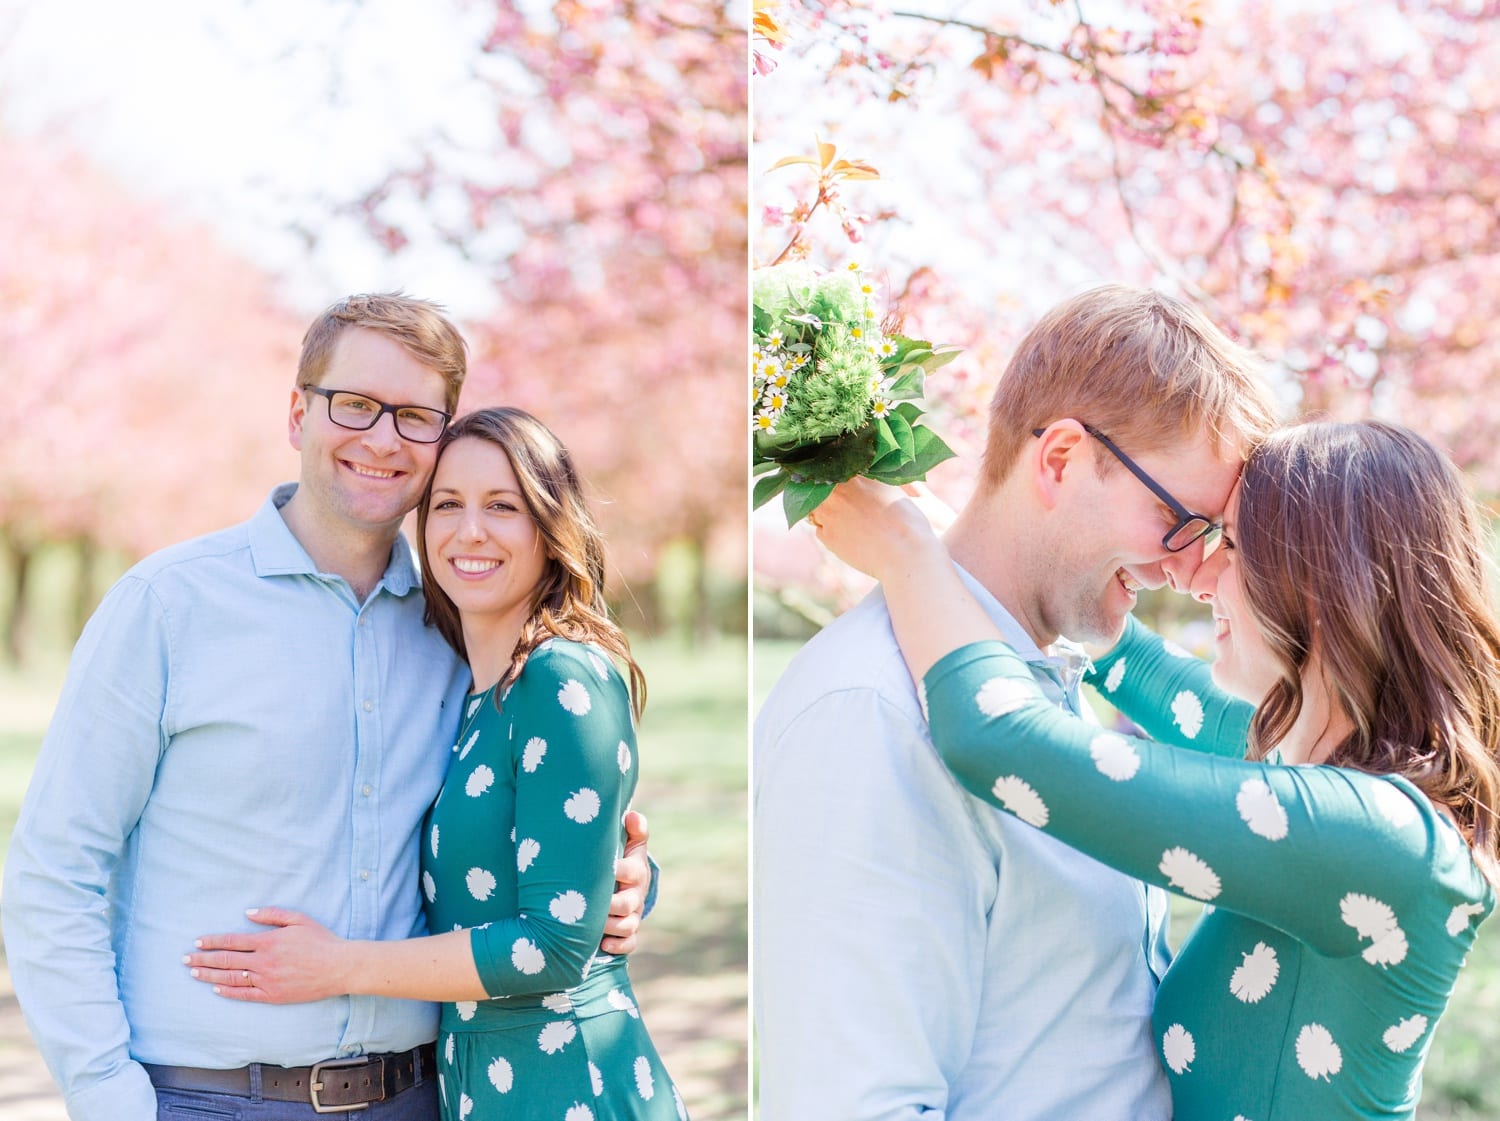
(1348, 861)
(518, 851)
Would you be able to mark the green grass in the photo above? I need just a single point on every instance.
(1459, 1081)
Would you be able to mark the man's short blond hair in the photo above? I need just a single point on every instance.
(418, 325)
(1144, 368)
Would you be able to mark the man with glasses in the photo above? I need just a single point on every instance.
(918, 953)
(259, 716)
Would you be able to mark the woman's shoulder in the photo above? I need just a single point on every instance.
(580, 668)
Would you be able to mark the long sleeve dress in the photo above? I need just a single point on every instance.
(519, 848)
(1343, 904)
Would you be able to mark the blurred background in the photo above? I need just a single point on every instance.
(186, 185)
(1321, 176)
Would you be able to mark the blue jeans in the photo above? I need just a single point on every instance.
(420, 1103)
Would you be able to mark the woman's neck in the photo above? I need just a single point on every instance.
(1321, 725)
(491, 651)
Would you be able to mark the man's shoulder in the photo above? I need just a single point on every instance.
(175, 561)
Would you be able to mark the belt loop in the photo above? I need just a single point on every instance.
(255, 1083)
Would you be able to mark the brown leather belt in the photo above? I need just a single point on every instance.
(333, 1086)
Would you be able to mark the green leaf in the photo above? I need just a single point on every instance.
(762, 322)
(909, 384)
(940, 357)
(885, 440)
(911, 413)
(901, 429)
(768, 488)
(761, 464)
(930, 450)
(801, 499)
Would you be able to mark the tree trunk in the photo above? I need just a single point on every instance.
(17, 621)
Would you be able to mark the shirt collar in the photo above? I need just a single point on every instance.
(275, 550)
(1068, 658)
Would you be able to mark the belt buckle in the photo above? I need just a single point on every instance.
(315, 1083)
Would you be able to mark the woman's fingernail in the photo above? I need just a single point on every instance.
(194, 972)
(252, 910)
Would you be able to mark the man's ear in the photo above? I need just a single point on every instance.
(296, 417)
(1059, 453)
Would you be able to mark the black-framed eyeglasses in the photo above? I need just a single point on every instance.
(1190, 527)
(356, 411)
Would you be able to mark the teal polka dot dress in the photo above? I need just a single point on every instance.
(1341, 905)
(519, 848)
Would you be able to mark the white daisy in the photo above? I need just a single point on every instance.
(596, 1080)
(1458, 918)
(1188, 874)
(645, 1085)
(526, 852)
(466, 1009)
(1317, 1054)
(1400, 1036)
(1252, 980)
(481, 883)
(1017, 796)
(1114, 756)
(429, 887)
(1001, 695)
(568, 907)
(532, 753)
(578, 1112)
(582, 806)
(559, 1003)
(527, 956)
(623, 755)
(574, 697)
(622, 1003)
(479, 781)
(556, 1035)
(1115, 676)
(465, 1106)
(1260, 809)
(1187, 713)
(501, 1076)
(468, 746)
(1393, 805)
(1374, 920)
(1178, 1048)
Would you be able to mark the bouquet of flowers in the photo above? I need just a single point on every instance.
(833, 396)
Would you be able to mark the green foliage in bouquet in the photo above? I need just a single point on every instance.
(833, 397)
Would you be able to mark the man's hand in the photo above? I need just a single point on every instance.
(632, 881)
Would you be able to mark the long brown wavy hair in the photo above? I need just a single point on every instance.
(569, 598)
(1363, 539)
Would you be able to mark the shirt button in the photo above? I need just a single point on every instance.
(363, 621)
(364, 874)
(366, 790)
(369, 706)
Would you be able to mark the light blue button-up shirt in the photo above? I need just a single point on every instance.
(236, 730)
(919, 954)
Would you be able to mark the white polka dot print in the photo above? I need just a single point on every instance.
(1256, 976)
(501, 1076)
(1260, 809)
(622, 1003)
(623, 754)
(1114, 757)
(1400, 1036)
(474, 704)
(568, 907)
(531, 755)
(578, 1112)
(527, 956)
(448, 1048)
(429, 887)
(480, 882)
(574, 696)
(1188, 874)
(582, 806)
(601, 667)
(468, 746)
(1017, 796)
(1187, 713)
(1173, 650)
(1115, 676)
(434, 844)
(645, 1085)
(682, 1113)
(596, 1080)
(1458, 918)
(479, 781)
(526, 852)
(1317, 1053)
(465, 1106)
(466, 1009)
(556, 1035)
(1374, 920)
(559, 1003)
(1178, 1048)
(1393, 805)
(1002, 695)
